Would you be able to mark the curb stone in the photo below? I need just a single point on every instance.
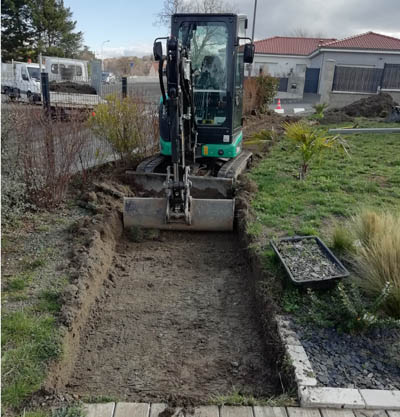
(312, 396)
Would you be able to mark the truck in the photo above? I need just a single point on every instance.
(21, 81)
(65, 69)
(69, 83)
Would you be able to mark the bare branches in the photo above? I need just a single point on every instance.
(170, 7)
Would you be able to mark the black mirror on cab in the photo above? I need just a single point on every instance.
(248, 54)
(157, 50)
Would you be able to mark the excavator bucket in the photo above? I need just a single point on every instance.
(206, 214)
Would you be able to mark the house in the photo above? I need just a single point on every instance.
(361, 64)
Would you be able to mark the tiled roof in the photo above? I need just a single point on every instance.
(281, 45)
(369, 40)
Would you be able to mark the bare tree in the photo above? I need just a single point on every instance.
(301, 32)
(195, 6)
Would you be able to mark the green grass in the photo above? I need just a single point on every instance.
(19, 282)
(336, 186)
(49, 301)
(28, 343)
(239, 399)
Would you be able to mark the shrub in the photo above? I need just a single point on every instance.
(311, 142)
(251, 99)
(319, 110)
(348, 310)
(48, 151)
(128, 124)
(377, 259)
(267, 89)
(258, 92)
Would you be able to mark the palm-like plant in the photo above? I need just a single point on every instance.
(311, 142)
(319, 110)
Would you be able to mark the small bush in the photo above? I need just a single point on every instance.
(377, 259)
(48, 150)
(128, 125)
(267, 90)
(258, 92)
(311, 143)
(348, 310)
(319, 110)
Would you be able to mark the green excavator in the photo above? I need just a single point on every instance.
(191, 182)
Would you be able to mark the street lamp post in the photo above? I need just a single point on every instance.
(102, 46)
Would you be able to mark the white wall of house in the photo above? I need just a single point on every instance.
(279, 66)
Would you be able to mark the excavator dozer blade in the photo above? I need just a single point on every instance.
(202, 187)
(207, 214)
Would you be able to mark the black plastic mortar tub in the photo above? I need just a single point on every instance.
(324, 250)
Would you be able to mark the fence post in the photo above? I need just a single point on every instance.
(45, 91)
(124, 87)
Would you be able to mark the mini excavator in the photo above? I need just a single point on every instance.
(191, 182)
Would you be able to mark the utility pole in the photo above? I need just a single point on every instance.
(250, 66)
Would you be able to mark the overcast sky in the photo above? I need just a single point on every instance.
(126, 27)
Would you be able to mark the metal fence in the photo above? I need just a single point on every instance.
(366, 80)
(391, 77)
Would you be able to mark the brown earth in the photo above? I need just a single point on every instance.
(269, 121)
(379, 105)
(175, 319)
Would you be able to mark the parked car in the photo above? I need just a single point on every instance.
(21, 80)
(108, 78)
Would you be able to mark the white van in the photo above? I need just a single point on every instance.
(21, 80)
(65, 69)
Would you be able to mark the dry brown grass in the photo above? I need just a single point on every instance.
(377, 258)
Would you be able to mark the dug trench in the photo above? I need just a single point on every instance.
(174, 317)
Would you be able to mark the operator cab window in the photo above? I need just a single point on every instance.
(208, 43)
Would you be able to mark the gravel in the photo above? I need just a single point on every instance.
(306, 261)
(369, 360)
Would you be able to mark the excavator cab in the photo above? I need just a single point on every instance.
(200, 126)
(215, 42)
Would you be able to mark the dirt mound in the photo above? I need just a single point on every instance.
(335, 116)
(379, 105)
(71, 87)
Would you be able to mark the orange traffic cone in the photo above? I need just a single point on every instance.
(278, 107)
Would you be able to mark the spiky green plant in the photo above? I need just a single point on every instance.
(311, 143)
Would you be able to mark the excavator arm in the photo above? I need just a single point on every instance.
(178, 103)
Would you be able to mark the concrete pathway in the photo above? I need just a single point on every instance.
(123, 409)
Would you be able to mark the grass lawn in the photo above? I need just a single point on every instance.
(336, 185)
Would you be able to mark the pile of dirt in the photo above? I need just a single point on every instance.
(71, 87)
(335, 116)
(379, 105)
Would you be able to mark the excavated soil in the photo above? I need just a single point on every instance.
(176, 320)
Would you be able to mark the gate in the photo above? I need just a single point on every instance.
(311, 81)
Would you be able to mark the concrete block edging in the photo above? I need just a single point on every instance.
(310, 395)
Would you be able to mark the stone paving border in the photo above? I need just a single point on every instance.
(124, 409)
(311, 395)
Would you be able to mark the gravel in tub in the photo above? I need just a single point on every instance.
(306, 261)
